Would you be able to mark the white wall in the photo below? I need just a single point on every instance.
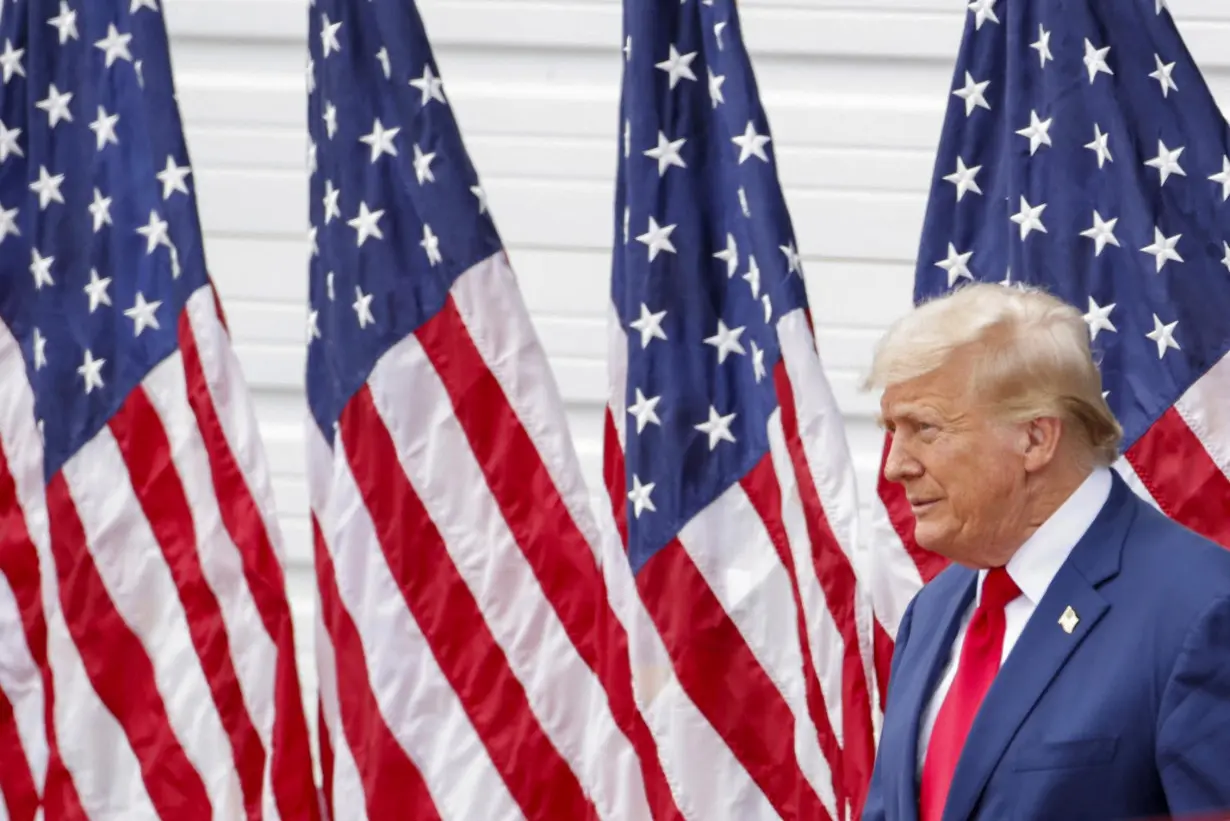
(855, 92)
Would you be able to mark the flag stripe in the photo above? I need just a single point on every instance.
(547, 534)
(147, 454)
(17, 789)
(323, 743)
(449, 616)
(241, 484)
(340, 779)
(392, 785)
(120, 672)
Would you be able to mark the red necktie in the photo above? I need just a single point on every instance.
(980, 657)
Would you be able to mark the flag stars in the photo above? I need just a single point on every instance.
(382, 57)
(1225, 260)
(973, 93)
(726, 341)
(431, 245)
(481, 196)
(649, 325)
(366, 224)
(956, 265)
(1163, 249)
(40, 350)
(717, 428)
(362, 306)
(1163, 76)
(1098, 319)
(100, 210)
(330, 118)
(155, 232)
(56, 106)
(794, 263)
(115, 45)
(1029, 218)
(1100, 145)
(644, 410)
(657, 238)
(729, 255)
(640, 497)
(313, 326)
(173, 178)
(983, 10)
(963, 178)
(380, 140)
(328, 36)
(678, 66)
(1163, 335)
(1222, 177)
(666, 152)
(431, 86)
(758, 367)
(65, 23)
(8, 223)
(91, 371)
(47, 186)
(1095, 60)
(40, 269)
(142, 313)
(96, 290)
(8, 142)
(752, 277)
(104, 128)
(1038, 132)
(1043, 45)
(751, 144)
(715, 88)
(329, 201)
(1102, 233)
(10, 61)
(1167, 161)
(422, 165)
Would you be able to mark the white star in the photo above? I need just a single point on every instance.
(658, 238)
(718, 28)
(1043, 45)
(329, 286)
(313, 326)
(65, 23)
(40, 269)
(1163, 248)
(56, 106)
(330, 202)
(644, 411)
(140, 75)
(1163, 335)
(8, 223)
(8, 142)
(328, 36)
(627, 223)
(311, 156)
(40, 350)
(649, 325)
(730, 255)
(431, 244)
(481, 195)
(1102, 233)
(1225, 260)
(363, 307)
(104, 128)
(639, 497)
(382, 57)
(1095, 60)
(10, 60)
(794, 263)
(972, 94)
(142, 314)
(366, 224)
(47, 187)
(1222, 177)
(155, 232)
(758, 368)
(726, 340)
(1029, 218)
(1100, 145)
(752, 277)
(983, 10)
(751, 144)
(100, 210)
(137, 5)
(1038, 132)
(747, 211)
(963, 179)
(678, 66)
(173, 178)
(627, 138)
(715, 88)
(1162, 75)
(311, 75)
(422, 165)
(1167, 161)
(91, 371)
(957, 265)
(330, 118)
(115, 45)
(717, 428)
(380, 140)
(431, 86)
(1098, 319)
(628, 49)
(96, 290)
(667, 153)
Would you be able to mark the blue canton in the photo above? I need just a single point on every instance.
(100, 245)
(1083, 152)
(397, 211)
(705, 262)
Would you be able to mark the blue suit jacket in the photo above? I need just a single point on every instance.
(1127, 716)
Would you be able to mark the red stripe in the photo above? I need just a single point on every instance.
(118, 667)
(326, 748)
(146, 452)
(561, 558)
(393, 786)
(765, 493)
(1182, 477)
(16, 781)
(722, 677)
(292, 777)
(445, 609)
(840, 585)
(883, 649)
(892, 494)
(19, 562)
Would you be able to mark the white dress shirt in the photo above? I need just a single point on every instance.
(1032, 567)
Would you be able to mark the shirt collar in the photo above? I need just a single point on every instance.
(1037, 561)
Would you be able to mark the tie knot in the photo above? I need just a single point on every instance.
(998, 589)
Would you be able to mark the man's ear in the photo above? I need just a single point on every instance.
(1041, 441)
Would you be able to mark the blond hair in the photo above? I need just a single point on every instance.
(1032, 358)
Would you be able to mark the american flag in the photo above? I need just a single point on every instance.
(470, 665)
(726, 461)
(1083, 152)
(147, 665)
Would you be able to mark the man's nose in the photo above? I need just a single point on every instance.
(899, 465)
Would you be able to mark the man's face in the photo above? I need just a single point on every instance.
(962, 471)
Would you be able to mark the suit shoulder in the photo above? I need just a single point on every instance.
(940, 590)
(1175, 560)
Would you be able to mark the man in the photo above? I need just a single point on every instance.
(1074, 661)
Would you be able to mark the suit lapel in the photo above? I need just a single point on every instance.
(1042, 649)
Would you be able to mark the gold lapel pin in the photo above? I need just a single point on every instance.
(1069, 620)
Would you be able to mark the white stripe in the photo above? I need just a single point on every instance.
(347, 787)
(890, 571)
(416, 701)
(730, 547)
(22, 684)
(135, 574)
(564, 694)
(490, 304)
(1125, 469)
(1205, 407)
(252, 651)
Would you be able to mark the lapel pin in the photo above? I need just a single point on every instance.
(1069, 620)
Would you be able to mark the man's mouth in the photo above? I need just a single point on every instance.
(921, 505)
